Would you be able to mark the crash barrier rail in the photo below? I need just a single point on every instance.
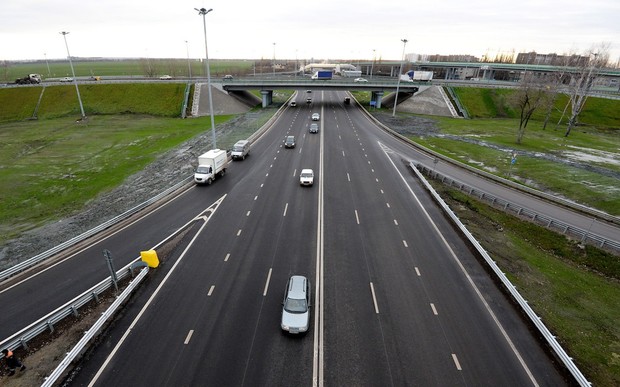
(70, 308)
(494, 178)
(584, 236)
(46, 323)
(45, 255)
(462, 111)
(94, 330)
(534, 318)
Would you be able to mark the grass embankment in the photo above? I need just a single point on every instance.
(582, 167)
(126, 68)
(575, 290)
(51, 168)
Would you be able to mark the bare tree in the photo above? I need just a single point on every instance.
(581, 83)
(531, 95)
(148, 67)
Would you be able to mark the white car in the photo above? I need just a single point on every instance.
(66, 79)
(306, 177)
(296, 306)
(165, 77)
(316, 116)
(360, 80)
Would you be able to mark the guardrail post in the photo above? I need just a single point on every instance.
(96, 297)
(50, 326)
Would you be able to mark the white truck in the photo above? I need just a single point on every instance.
(211, 164)
(411, 76)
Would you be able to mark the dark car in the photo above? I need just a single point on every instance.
(289, 142)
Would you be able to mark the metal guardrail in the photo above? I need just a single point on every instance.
(534, 318)
(94, 330)
(584, 236)
(40, 257)
(46, 323)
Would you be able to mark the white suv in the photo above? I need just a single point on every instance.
(296, 305)
(306, 177)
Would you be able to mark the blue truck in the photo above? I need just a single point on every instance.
(322, 74)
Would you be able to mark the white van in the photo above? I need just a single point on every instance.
(240, 150)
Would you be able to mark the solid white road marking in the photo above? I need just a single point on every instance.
(374, 298)
(467, 276)
(456, 362)
(433, 308)
(189, 337)
(267, 283)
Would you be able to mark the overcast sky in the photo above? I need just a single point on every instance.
(311, 29)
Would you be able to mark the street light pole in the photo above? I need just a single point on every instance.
(399, 72)
(204, 12)
(64, 35)
(189, 67)
(274, 60)
(372, 66)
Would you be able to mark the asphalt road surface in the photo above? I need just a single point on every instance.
(398, 298)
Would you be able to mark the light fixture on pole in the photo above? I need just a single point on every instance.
(64, 35)
(189, 67)
(204, 12)
(399, 72)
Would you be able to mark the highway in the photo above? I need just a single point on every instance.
(398, 298)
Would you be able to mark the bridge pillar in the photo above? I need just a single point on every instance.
(267, 97)
(377, 96)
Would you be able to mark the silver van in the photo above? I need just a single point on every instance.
(240, 150)
(296, 305)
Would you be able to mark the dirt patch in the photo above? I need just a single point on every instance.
(45, 352)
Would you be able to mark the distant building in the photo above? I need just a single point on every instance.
(533, 58)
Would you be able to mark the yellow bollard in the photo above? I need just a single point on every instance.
(150, 257)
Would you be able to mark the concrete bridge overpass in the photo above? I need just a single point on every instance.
(267, 86)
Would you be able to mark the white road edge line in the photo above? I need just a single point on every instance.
(150, 300)
(469, 279)
(319, 315)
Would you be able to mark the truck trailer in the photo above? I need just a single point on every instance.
(322, 75)
(211, 164)
(30, 79)
(425, 76)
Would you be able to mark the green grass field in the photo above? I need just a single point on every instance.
(126, 68)
(54, 165)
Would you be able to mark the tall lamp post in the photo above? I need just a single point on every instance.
(64, 35)
(372, 66)
(189, 67)
(274, 60)
(204, 12)
(399, 72)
